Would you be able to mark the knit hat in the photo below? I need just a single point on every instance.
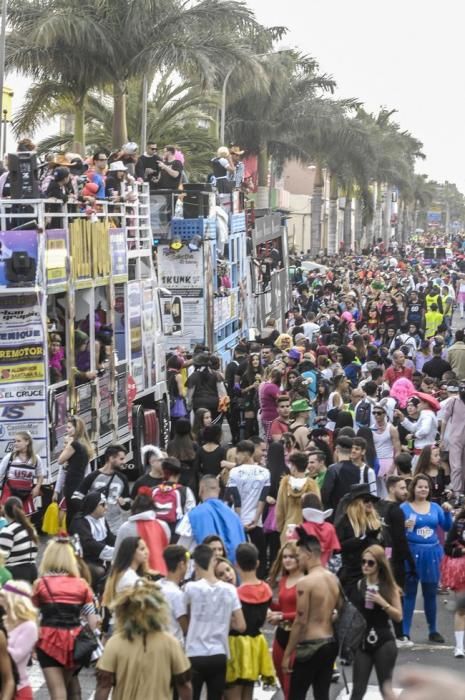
(91, 501)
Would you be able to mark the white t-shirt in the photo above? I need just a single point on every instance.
(310, 329)
(249, 480)
(211, 606)
(127, 580)
(177, 603)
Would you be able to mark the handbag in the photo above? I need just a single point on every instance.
(349, 631)
(178, 408)
(85, 645)
(270, 524)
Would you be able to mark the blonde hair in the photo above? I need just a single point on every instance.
(360, 520)
(81, 436)
(19, 607)
(59, 558)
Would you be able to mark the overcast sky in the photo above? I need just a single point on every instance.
(402, 54)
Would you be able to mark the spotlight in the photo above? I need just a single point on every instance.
(195, 243)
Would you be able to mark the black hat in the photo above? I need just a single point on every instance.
(361, 491)
(91, 501)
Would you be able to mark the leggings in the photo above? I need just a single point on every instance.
(316, 673)
(279, 648)
(383, 659)
(429, 591)
(210, 670)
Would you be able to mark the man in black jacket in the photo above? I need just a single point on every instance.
(396, 549)
(341, 475)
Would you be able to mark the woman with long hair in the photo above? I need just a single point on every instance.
(429, 463)
(337, 397)
(185, 449)
(63, 598)
(378, 599)
(21, 623)
(19, 470)
(285, 573)
(129, 566)
(276, 464)
(320, 404)
(422, 520)
(203, 385)
(202, 419)
(174, 381)
(358, 527)
(73, 460)
(19, 541)
(250, 381)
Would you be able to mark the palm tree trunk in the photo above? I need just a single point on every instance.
(333, 208)
(348, 219)
(358, 225)
(120, 129)
(317, 197)
(79, 143)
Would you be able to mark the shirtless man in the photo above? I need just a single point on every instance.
(312, 636)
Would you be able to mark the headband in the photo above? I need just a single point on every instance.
(9, 588)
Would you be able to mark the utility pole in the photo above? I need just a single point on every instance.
(223, 105)
(2, 65)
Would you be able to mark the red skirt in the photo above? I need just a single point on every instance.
(28, 503)
(59, 644)
(453, 573)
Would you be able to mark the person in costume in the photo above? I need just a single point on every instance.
(250, 659)
(211, 517)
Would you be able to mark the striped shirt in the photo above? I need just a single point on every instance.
(17, 545)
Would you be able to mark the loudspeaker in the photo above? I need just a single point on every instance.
(24, 176)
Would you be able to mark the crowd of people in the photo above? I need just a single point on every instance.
(322, 464)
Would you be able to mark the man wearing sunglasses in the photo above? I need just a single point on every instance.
(148, 166)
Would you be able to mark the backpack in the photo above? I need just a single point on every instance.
(349, 629)
(363, 414)
(342, 505)
(167, 499)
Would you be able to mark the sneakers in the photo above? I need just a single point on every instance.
(459, 653)
(404, 642)
(436, 638)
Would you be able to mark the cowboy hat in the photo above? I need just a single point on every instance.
(430, 400)
(236, 151)
(60, 159)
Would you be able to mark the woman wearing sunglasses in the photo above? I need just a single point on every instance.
(422, 520)
(378, 599)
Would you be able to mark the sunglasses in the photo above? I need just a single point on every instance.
(154, 148)
(367, 499)
(378, 413)
(368, 562)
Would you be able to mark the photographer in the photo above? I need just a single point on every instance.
(453, 419)
(148, 166)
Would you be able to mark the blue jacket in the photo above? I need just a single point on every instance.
(213, 517)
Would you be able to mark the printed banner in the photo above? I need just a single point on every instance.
(135, 326)
(56, 256)
(119, 251)
(181, 272)
(23, 400)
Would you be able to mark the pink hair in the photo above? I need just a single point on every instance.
(402, 390)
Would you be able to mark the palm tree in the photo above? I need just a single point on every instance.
(87, 44)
